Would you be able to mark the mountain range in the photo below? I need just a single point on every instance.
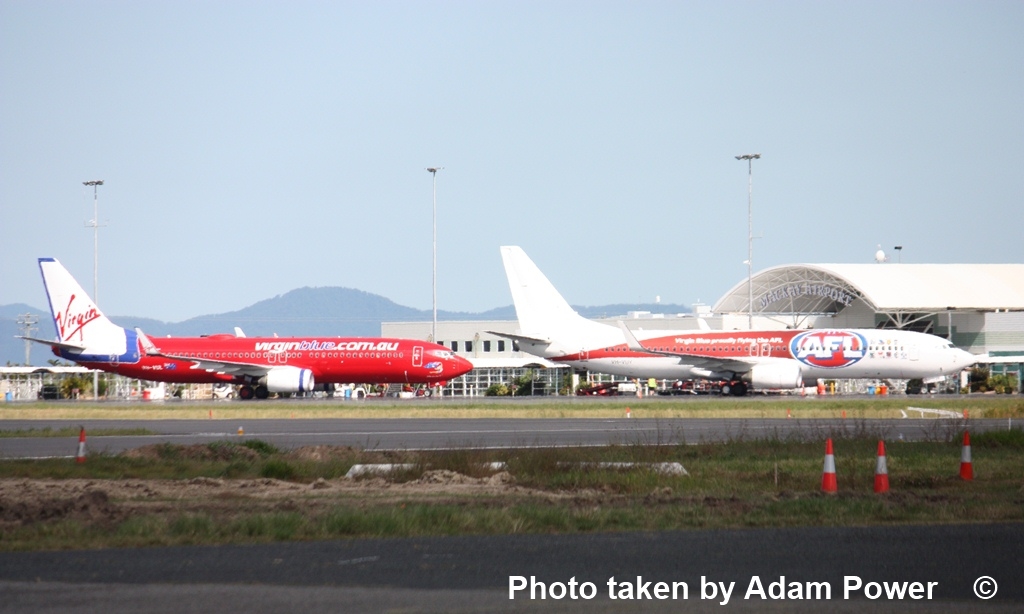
(326, 311)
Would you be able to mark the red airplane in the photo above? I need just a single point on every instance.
(259, 365)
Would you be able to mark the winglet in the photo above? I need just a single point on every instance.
(147, 345)
(631, 341)
(238, 332)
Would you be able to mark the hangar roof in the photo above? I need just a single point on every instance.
(829, 288)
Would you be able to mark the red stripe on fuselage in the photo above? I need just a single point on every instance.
(370, 360)
(726, 344)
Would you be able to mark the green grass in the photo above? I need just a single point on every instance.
(772, 482)
(757, 406)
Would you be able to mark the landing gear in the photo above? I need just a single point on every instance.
(248, 392)
(736, 389)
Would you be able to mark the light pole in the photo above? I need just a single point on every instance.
(433, 327)
(899, 253)
(750, 235)
(95, 224)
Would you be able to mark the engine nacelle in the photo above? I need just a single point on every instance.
(775, 375)
(288, 379)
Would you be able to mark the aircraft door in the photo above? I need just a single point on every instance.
(417, 356)
(766, 349)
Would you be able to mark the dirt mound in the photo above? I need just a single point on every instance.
(322, 453)
(444, 476)
(170, 451)
(92, 506)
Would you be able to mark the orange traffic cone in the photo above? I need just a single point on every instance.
(629, 414)
(80, 457)
(966, 468)
(881, 471)
(828, 476)
(788, 414)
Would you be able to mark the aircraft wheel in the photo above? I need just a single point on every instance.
(726, 390)
(245, 393)
(262, 392)
(740, 389)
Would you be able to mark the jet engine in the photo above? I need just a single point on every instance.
(288, 379)
(779, 375)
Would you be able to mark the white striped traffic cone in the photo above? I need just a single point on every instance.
(966, 468)
(828, 476)
(881, 470)
(80, 457)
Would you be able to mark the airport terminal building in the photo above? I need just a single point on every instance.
(979, 307)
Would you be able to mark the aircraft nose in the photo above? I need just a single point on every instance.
(965, 358)
(462, 366)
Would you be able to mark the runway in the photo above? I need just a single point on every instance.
(442, 433)
(472, 573)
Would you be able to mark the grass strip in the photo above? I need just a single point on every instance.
(756, 406)
(743, 483)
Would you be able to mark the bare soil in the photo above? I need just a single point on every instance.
(107, 501)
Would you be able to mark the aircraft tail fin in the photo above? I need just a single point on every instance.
(541, 310)
(82, 329)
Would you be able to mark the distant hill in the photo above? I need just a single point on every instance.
(305, 311)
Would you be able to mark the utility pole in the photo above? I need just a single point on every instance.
(27, 324)
(433, 328)
(750, 236)
(95, 224)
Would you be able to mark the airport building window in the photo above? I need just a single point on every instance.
(501, 345)
(469, 346)
(487, 345)
(455, 346)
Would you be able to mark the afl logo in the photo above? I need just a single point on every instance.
(828, 349)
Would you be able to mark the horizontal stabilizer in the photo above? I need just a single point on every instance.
(73, 347)
(522, 338)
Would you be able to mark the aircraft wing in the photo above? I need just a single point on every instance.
(225, 367)
(53, 343)
(525, 338)
(734, 364)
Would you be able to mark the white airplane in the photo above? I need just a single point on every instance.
(765, 359)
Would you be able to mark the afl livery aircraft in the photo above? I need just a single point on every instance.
(260, 365)
(768, 359)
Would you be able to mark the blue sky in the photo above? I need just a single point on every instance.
(250, 148)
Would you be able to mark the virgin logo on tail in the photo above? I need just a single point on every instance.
(829, 349)
(71, 323)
